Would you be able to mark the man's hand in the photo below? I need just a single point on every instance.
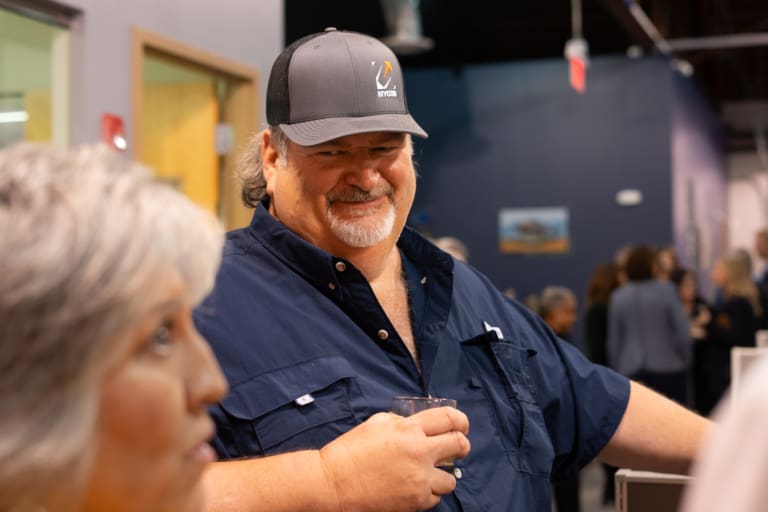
(388, 462)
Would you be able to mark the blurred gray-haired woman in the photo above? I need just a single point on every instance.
(104, 381)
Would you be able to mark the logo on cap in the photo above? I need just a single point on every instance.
(384, 91)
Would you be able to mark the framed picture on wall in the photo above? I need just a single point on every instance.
(533, 230)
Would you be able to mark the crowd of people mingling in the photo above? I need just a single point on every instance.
(644, 316)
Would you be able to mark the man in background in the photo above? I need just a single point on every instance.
(559, 309)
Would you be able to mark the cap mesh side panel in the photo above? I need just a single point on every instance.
(278, 100)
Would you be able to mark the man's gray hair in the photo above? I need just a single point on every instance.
(251, 169)
(86, 237)
(251, 166)
(552, 297)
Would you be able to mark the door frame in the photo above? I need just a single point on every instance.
(240, 107)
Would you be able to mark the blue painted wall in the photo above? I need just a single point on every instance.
(515, 135)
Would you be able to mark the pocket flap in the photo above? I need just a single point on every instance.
(274, 389)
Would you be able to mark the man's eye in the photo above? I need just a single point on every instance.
(332, 152)
(384, 150)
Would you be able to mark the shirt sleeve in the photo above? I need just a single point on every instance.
(582, 402)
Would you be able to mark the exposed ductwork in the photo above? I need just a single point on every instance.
(403, 21)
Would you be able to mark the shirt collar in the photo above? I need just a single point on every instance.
(317, 265)
(311, 262)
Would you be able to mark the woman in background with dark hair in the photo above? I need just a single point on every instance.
(604, 280)
(648, 337)
(699, 316)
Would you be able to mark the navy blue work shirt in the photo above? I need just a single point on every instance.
(310, 353)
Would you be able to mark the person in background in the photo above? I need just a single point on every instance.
(334, 306)
(745, 257)
(105, 383)
(559, 309)
(648, 337)
(762, 288)
(666, 263)
(733, 323)
(730, 471)
(761, 249)
(603, 281)
(454, 247)
(620, 258)
(699, 316)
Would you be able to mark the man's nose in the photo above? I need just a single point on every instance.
(364, 173)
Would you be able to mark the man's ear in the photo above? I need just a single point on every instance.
(269, 158)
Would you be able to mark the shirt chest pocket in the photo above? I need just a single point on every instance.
(299, 407)
(501, 368)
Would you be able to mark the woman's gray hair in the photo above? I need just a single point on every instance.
(86, 237)
(251, 168)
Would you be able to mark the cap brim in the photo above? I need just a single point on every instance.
(310, 133)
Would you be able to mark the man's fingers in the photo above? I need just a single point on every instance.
(446, 429)
(449, 446)
(442, 482)
(442, 419)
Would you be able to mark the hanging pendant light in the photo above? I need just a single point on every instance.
(404, 24)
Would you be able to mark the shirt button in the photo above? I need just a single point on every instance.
(331, 286)
(383, 334)
(457, 473)
(341, 266)
(424, 280)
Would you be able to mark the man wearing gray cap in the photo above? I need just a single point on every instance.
(326, 306)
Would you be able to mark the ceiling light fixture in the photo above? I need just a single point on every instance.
(404, 24)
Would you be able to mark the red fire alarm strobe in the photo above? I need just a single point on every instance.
(112, 132)
(577, 53)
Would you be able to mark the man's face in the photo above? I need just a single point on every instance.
(352, 192)
(562, 317)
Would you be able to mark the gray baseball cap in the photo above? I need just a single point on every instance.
(336, 83)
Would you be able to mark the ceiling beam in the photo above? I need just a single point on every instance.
(720, 42)
(631, 26)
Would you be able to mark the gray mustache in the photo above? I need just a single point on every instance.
(356, 194)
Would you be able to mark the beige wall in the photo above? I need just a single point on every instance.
(247, 31)
(747, 202)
